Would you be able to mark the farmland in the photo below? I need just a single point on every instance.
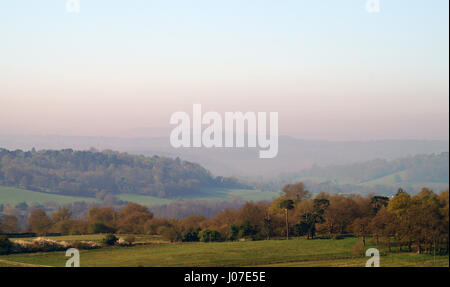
(13, 196)
(297, 252)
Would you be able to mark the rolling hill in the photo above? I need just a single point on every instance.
(90, 173)
(294, 154)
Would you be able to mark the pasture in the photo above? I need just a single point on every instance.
(297, 252)
(13, 196)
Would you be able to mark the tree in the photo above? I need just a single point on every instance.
(399, 203)
(361, 228)
(320, 205)
(100, 227)
(39, 221)
(383, 225)
(426, 221)
(190, 227)
(79, 227)
(287, 205)
(223, 220)
(109, 239)
(61, 215)
(399, 206)
(209, 235)
(132, 218)
(377, 202)
(168, 233)
(9, 225)
(340, 214)
(268, 226)
(62, 222)
(102, 174)
(152, 226)
(296, 191)
(444, 212)
(243, 230)
(308, 224)
(105, 215)
(5, 245)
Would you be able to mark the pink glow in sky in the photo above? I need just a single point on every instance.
(331, 71)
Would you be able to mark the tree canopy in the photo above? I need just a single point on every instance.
(91, 173)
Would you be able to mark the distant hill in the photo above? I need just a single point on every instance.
(90, 173)
(294, 154)
(432, 168)
(377, 176)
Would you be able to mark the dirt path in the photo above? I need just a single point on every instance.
(20, 264)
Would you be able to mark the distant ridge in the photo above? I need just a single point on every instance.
(294, 154)
(90, 173)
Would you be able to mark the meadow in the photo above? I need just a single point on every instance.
(13, 196)
(226, 194)
(297, 252)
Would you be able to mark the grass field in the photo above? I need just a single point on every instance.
(205, 194)
(294, 253)
(14, 196)
(225, 194)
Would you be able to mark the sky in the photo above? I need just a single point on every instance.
(331, 69)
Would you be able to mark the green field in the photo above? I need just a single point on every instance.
(226, 194)
(14, 196)
(295, 253)
(389, 181)
(204, 194)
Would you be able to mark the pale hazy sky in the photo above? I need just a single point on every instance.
(329, 68)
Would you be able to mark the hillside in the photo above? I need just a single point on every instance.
(294, 154)
(379, 176)
(433, 168)
(90, 173)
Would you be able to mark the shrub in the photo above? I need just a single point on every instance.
(209, 235)
(109, 239)
(190, 236)
(98, 227)
(152, 226)
(39, 244)
(130, 239)
(168, 233)
(84, 245)
(5, 245)
(238, 231)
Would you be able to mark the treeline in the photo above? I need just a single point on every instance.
(89, 173)
(205, 208)
(418, 222)
(79, 210)
(411, 173)
(418, 168)
(334, 187)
